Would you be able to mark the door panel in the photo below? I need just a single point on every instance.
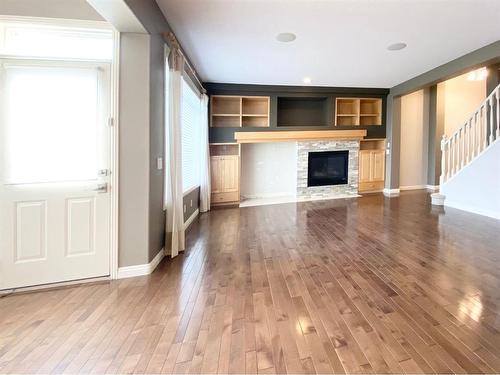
(230, 173)
(364, 166)
(54, 224)
(216, 164)
(378, 160)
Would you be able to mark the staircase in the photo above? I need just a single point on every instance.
(463, 175)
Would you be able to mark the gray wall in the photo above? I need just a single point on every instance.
(485, 56)
(227, 134)
(156, 146)
(151, 17)
(134, 149)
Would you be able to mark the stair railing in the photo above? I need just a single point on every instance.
(478, 132)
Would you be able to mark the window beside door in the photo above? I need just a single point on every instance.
(191, 142)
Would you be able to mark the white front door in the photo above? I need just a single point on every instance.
(54, 172)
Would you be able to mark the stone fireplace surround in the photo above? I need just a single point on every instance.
(305, 192)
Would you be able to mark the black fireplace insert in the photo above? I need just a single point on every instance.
(327, 168)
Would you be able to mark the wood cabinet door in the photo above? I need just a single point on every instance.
(365, 165)
(216, 174)
(230, 173)
(377, 165)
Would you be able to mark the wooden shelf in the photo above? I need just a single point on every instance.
(228, 111)
(358, 111)
(293, 136)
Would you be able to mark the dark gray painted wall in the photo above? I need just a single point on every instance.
(392, 161)
(227, 134)
(191, 202)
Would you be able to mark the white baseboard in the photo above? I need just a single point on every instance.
(391, 192)
(191, 219)
(413, 187)
(140, 269)
(432, 187)
(474, 210)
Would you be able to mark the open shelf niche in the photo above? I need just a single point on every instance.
(358, 111)
(239, 111)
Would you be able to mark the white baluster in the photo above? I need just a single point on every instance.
(454, 155)
(468, 127)
(473, 135)
(497, 101)
(444, 157)
(484, 126)
(492, 124)
(460, 153)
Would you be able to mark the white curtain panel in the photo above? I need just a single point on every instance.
(175, 215)
(204, 157)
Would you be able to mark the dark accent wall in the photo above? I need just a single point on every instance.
(191, 202)
(275, 92)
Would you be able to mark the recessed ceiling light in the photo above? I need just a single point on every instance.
(307, 80)
(286, 37)
(396, 46)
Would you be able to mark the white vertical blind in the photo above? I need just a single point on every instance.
(191, 120)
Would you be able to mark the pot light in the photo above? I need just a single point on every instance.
(286, 37)
(307, 80)
(396, 46)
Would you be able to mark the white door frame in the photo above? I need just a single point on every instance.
(114, 120)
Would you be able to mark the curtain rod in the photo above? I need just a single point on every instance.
(170, 37)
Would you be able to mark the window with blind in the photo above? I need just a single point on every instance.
(191, 122)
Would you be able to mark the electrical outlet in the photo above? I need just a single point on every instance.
(159, 163)
(191, 203)
(185, 209)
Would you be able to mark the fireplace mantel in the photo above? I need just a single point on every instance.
(292, 136)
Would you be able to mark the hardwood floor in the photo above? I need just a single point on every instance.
(371, 285)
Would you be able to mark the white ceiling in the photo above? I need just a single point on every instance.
(339, 42)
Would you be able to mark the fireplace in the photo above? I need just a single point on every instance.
(327, 168)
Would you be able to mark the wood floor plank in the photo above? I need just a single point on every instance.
(367, 285)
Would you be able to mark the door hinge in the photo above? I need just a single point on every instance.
(111, 121)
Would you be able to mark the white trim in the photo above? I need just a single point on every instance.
(472, 209)
(413, 187)
(191, 219)
(391, 192)
(141, 269)
(432, 187)
(115, 159)
(56, 285)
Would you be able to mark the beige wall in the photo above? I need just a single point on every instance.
(414, 141)
(461, 98)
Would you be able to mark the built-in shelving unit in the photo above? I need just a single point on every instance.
(358, 111)
(371, 165)
(227, 111)
(225, 173)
